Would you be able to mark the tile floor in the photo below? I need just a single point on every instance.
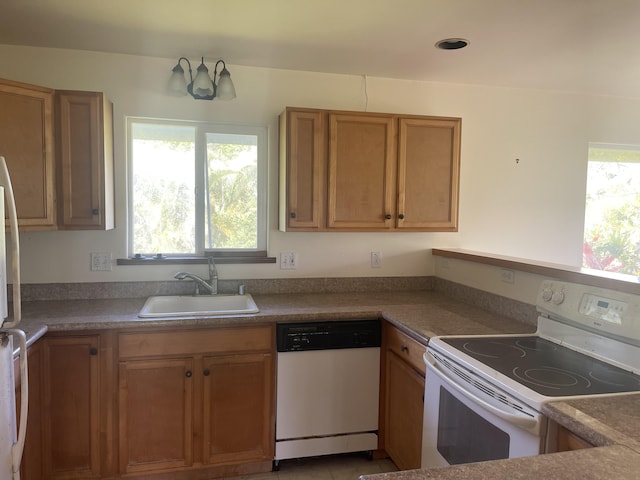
(333, 467)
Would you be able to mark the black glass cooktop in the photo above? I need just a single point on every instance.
(547, 368)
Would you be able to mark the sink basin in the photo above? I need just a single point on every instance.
(203, 305)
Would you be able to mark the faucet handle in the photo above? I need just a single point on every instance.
(241, 289)
(213, 271)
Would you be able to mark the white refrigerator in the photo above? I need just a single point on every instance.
(12, 340)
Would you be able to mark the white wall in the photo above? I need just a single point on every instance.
(505, 207)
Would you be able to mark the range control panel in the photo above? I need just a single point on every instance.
(609, 311)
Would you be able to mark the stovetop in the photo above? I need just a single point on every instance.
(545, 367)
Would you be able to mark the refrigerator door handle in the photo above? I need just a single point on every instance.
(5, 181)
(18, 447)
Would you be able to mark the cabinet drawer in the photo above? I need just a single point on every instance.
(407, 348)
(193, 342)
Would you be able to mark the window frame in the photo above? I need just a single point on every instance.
(201, 130)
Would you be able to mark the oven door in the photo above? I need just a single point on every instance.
(468, 420)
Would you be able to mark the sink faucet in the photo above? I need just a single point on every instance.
(210, 286)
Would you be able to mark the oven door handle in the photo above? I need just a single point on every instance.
(526, 423)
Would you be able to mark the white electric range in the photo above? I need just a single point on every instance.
(484, 394)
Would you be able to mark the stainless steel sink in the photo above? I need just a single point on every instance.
(200, 305)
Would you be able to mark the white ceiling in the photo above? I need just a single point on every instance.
(589, 46)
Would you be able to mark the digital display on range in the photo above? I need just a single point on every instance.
(603, 304)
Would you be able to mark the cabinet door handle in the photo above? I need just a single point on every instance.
(188, 374)
(93, 351)
(95, 211)
(292, 215)
(207, 372)
(401, 216)
(404, 348)
(387, 216)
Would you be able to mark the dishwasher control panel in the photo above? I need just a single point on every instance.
(327, 335)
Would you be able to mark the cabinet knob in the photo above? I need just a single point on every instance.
(207, 372)
(387, 216)
(404, 348)
(292, 215)
(95, 211)
(93, 351)
(401, 216)
(188, 374)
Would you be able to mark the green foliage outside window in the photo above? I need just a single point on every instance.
(612, 219)
(164, 180)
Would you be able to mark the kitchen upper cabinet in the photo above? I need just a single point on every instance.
(302, 170)
(403, 393)
(27, 143)
(200, 399)
(38, 124)
(428, 174)
(362, 172)
(71, 410)
(85, 158)
(353, 171)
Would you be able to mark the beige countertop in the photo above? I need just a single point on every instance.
(615, 462)
(611, 423)
(608, 420)
(422, 313)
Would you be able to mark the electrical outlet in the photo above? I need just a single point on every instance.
(376, 259)
(101, 262)
(507, 276)
(288, 261)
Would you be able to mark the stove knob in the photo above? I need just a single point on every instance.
(547, 293)
(557, 297)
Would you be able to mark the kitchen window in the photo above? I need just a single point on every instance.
(612, 213)
(196, 188)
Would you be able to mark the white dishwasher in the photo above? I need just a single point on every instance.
(327, 388)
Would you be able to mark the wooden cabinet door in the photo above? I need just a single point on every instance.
(568, 441)
(302, 170)
(26, 142)
(362, 172)
(155, 414)
(85, 155)
(238, 408)
(404, 392)
(428, 174)
(71, 407)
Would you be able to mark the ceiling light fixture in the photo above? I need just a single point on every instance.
(452, 44)
(202, 87)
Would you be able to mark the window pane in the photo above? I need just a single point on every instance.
(163, 185)
(231, 210)
(612, 214)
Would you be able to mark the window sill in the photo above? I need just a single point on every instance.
(219, 260)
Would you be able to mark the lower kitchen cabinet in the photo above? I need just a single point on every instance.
(404, 379)
(156, 414)
(71, 398)
(238, 408)
(567, 441)
(196, 400)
